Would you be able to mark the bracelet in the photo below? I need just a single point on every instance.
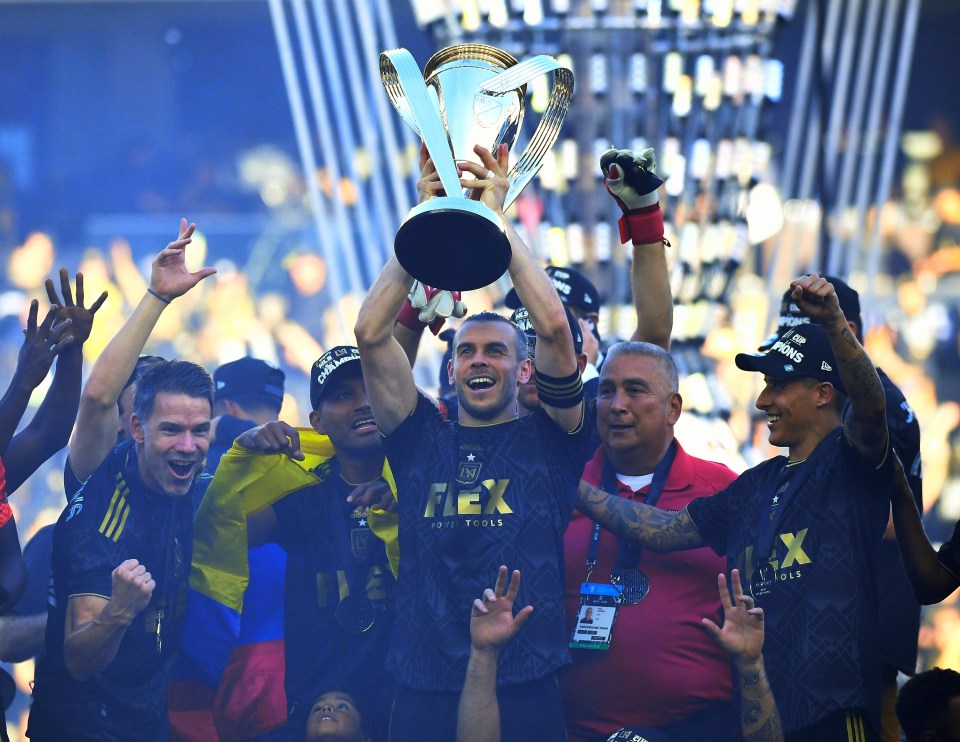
(164, 299)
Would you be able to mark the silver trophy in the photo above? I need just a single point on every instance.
(468, 94)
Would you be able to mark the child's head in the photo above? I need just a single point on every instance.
(336, 715)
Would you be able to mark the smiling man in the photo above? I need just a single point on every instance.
(121, 555)
(682, 685)
(339, 588)
(805, 528)
(491, 489)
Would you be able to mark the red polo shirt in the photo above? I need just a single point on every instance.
(662, 665)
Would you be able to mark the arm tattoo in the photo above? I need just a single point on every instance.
(759, 717)
(866, 421)
(658, 530)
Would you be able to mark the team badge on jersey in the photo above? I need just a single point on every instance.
(471, 466)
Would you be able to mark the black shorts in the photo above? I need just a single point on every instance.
(529, 711)
(841, 726)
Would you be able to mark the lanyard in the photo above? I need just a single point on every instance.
(628, 553)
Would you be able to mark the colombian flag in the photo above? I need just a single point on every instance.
(229, 682)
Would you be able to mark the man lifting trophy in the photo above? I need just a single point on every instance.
(468, 94)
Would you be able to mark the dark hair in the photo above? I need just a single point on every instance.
(519, 338)
(143, 363)
(171, 377)
(648, 350)
(924, 701)
(360, 701)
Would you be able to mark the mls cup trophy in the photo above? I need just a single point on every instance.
(468, 94)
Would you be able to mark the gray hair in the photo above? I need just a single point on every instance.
(649, 350)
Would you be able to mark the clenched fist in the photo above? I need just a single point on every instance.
(131, 591)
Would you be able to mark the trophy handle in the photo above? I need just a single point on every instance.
(548, 129)
(408, 92)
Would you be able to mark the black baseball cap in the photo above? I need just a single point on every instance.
(791, 316)
(801, 352)
(337, 362)
(521, 318)
(573, 287)
(248, 376)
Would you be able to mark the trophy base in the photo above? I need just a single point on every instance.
(453, 244)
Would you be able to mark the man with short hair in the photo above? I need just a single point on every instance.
(121, 555)
(804, 529)
(237, 686)
(676, 680)
(682, 685)
(929, 706)
(494, 488)
(339, 587)
(899, 609)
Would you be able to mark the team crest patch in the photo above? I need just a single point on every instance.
(360, 542)
(471, 466)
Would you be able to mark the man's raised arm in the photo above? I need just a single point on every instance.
(630, 177)
(865, 423)
(49, 430)
(95, 434)
(386, 369)
(931, 581)
(557, 374)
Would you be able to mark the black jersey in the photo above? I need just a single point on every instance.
(339, 592)
(112, 518)
(829, 515)
(469, 500)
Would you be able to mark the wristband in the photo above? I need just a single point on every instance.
(410, 317)
(162, 298)
(642, 225)
(563, 392)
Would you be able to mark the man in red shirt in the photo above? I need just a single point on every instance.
(661, 669)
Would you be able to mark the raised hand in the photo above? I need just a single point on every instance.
(169, 276)
(631, 177)
(273, 437)
(492, 623)
(373, 495)
(742, 634)
(817, 298)
(41, 344)
(131, 590)
(80, 316)
(428, 185)
(428, 306)
(490, 184)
